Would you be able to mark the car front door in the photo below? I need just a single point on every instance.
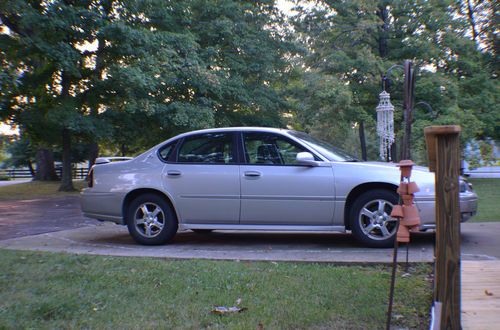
(276, 190)
(203, 179)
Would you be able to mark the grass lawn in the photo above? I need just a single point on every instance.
(488, 191)
(34, 189)
(43, 290)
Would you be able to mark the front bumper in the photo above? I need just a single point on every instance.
(468, 205)
(468, 208)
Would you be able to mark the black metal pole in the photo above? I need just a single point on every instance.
(393, 279)
(407, 256)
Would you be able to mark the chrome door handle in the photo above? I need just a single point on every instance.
(173, 173)
(253, 174)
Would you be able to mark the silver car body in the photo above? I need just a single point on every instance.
(254, 197)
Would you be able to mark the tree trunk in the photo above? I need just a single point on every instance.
(93, 153)
(362, 140)
(123, 150)
(394, 152)
(383, 14)
(45, 170)
(408, 104)
(67, 180)
(472, 20)
(32, 170)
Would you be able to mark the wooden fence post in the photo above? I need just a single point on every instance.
(443, 148)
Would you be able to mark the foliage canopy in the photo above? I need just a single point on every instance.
(128, 74)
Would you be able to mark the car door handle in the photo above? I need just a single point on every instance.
(253, 174)
(173, 173)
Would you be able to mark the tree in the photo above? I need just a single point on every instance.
(357, 41)
(20, 154)
(135, 72)
(42, 45)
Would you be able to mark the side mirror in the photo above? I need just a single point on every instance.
(306, 158)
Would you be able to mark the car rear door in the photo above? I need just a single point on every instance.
(203, 179)
(275, 190)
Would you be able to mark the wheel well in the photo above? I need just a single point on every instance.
(134, 193)
(358, 190)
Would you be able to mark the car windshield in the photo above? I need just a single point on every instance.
(332, 153)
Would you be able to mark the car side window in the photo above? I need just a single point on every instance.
(272, 149)
(211, 148)
(165, 151)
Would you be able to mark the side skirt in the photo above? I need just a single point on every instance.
(184, 226)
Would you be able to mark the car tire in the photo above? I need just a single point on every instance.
(151, 220)
(370, 220)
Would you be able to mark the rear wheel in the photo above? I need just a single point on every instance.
(151, 220)
(371, 222)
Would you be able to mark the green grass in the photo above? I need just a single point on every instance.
(488, 191)
(34, 189)
(43, 290)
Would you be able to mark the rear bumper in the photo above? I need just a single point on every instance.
(102, 206)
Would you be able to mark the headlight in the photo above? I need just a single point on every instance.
(465, 186)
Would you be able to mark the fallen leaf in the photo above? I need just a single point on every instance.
(486, 292)
(222, 310)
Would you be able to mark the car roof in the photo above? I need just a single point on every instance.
(239, 129)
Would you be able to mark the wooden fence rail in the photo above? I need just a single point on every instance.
(78, 173)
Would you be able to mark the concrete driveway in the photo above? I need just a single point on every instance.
(57, 225)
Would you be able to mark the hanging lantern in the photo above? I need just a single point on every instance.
(385, 125)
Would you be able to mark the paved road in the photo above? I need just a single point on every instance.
(57, 224)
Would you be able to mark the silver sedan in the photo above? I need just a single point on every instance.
(260, 179)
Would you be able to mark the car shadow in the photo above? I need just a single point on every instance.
(230, 240)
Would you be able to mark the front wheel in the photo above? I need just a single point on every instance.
(370, 219)
(151, 220)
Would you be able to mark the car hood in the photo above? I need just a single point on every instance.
(393, 165)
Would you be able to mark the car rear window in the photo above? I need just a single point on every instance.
(212, 148)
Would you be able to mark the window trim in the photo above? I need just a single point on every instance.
(174, 156)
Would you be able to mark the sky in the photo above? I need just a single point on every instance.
(7, 130)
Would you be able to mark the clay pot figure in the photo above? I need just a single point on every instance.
(397, 211)
(411, 217)
(405, 167)
(403, 234)
(413, 188)
(403, 188)
(407, 199)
